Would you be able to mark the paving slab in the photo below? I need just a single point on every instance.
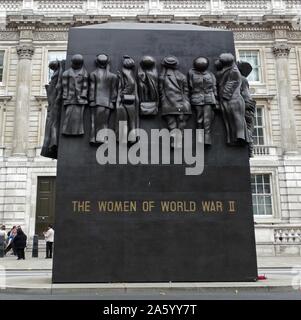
(42, 284)
(33, 275)
(11, 263)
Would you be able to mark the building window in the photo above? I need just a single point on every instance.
(258, 133)
(261, 194)
(1, 65)
(52, 56)
(252, 56)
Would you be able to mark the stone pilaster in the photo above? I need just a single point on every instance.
(25, 53)
(287, 116)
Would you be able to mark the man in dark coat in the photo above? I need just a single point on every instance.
(102, 96)
(20, 243)
(202, 85)
(75, 96)
(232, 103)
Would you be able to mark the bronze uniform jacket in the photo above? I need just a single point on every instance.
(202, 87)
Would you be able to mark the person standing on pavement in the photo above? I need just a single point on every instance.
(3, 233)
(19, 243)
(49, 238)
(10, 244)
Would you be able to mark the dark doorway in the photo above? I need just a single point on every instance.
(45, 204)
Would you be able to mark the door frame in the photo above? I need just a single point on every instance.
(52, 183)
(45, 169)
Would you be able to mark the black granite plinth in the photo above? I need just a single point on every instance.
(214, 243)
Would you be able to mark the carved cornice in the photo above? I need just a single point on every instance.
(266, 97)
(9, 36)
(182, 5)
(88, 19)
(253, 35)
(294, 35)
(50, 36)
(42, 100)
(5, 99)
(230, 20)
(281, 50)
(25, 51)
(128, 5)
(21, 21)
(155, 18)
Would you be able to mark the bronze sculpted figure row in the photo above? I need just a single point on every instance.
(146, 91)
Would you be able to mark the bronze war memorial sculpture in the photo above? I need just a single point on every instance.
(146, 93)
(152, 127)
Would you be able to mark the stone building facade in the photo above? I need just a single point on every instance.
(267, 33)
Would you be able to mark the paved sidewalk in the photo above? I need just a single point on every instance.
(278, 262)
(33, 276)
(40, 283)
(11, 263)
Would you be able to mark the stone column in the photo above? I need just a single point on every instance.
(25, 53)
(285, 101)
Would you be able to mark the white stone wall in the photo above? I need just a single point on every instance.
(18, 190)
(273, 22)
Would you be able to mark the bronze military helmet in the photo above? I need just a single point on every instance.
(201, 63)
(77, 61)
(102, 60)
(147, 62)
(227, 59)
(128, 62)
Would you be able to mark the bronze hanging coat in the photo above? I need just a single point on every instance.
(148, 90)
(127, 98)
(52, 127)
(233, 105)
